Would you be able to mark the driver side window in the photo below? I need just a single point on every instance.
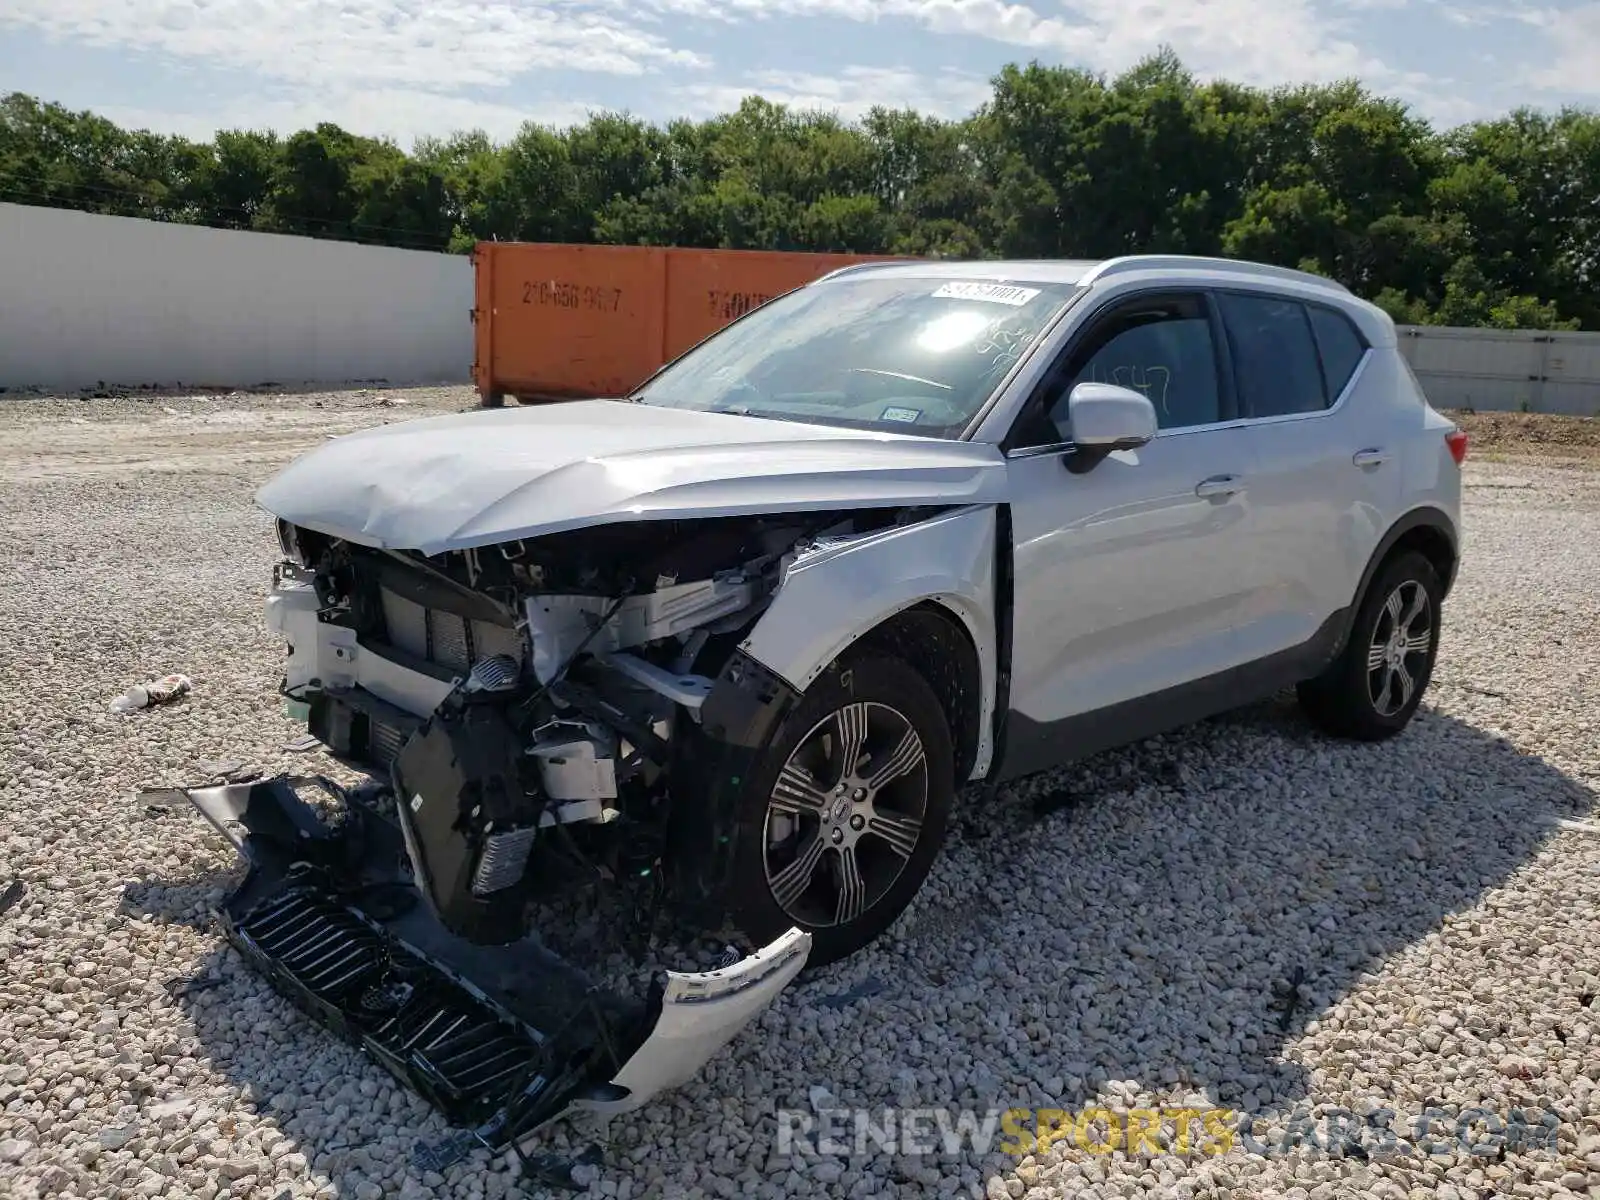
(1159, 346)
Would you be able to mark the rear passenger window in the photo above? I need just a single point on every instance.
(1275, 361)
(1340, 345)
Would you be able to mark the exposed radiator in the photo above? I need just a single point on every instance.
(445, 638)
(384, 741)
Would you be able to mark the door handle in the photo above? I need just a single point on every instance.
(1219, 486)
(1370, 458)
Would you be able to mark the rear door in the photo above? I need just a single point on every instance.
(1324, 475)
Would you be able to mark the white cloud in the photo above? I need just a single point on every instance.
(442, 44)
(1262, 42)
(1475, 16)
(404, 67)
(850, 93)
(384, 112)
(380, 67)
(1259, 41)
(1573, 65)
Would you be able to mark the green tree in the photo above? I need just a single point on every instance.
(1494, 223)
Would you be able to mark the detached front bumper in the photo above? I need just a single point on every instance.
(501, 1039)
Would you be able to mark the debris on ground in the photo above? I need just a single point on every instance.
(189, 985)
(870, 986)
(158, 691)
(1530, 434)
(558, 1171)
(440, 1156)
(229, 771)
(1290, 997)
(1572, 826)
(15, 891)
(301, 744)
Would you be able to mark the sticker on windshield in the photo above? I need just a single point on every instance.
(901, 414)
(992, 293)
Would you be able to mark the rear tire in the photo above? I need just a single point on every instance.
(845, 810)
(1372, 690)
(493, 400)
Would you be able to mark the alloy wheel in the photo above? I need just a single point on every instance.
(1398, 652)
(845, 815)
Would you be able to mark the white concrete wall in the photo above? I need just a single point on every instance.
(1506, 370)
(86, 299)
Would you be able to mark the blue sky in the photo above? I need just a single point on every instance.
(405, 68)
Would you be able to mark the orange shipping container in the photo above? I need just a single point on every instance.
(555, 322)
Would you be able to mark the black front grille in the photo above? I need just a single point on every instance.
(410, 1013)
(384, 742)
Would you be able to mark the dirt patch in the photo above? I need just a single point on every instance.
(194, 432)
(1530, 435)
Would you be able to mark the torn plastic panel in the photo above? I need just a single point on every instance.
(503, 1038)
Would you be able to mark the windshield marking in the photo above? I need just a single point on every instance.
(993, 293)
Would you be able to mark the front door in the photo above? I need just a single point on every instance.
(1130, 577)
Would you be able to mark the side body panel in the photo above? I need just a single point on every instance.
(1327, 488)
(1127, 581)
(1137, 611)
(1431, 480)
(1331, 486)
(833, 594)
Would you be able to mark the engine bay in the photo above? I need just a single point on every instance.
(537, 698)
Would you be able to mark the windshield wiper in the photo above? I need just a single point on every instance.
(933, 383)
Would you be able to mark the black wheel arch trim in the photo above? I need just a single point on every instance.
(1004, 600)
(1425, 517)
(739, 718)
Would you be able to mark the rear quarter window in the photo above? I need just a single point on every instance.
(1340, 346)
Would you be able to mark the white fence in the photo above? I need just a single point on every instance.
(87, 299)
(1506, 370)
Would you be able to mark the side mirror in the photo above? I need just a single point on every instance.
(1103, 418)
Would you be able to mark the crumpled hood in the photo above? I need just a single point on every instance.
(477, 478)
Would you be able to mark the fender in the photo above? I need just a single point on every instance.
(1417, 518)
(834, 594)
(1427, 517)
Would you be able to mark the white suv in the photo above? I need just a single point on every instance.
(914, 526)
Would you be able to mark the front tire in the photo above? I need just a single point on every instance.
(1372, 690)
(846, 809)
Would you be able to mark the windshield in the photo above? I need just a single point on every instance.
(905, 354)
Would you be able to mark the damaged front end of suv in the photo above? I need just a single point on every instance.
(561, 726)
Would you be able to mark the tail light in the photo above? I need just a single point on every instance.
(1457, 441)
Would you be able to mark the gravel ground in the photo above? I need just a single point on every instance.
(1120, 935)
